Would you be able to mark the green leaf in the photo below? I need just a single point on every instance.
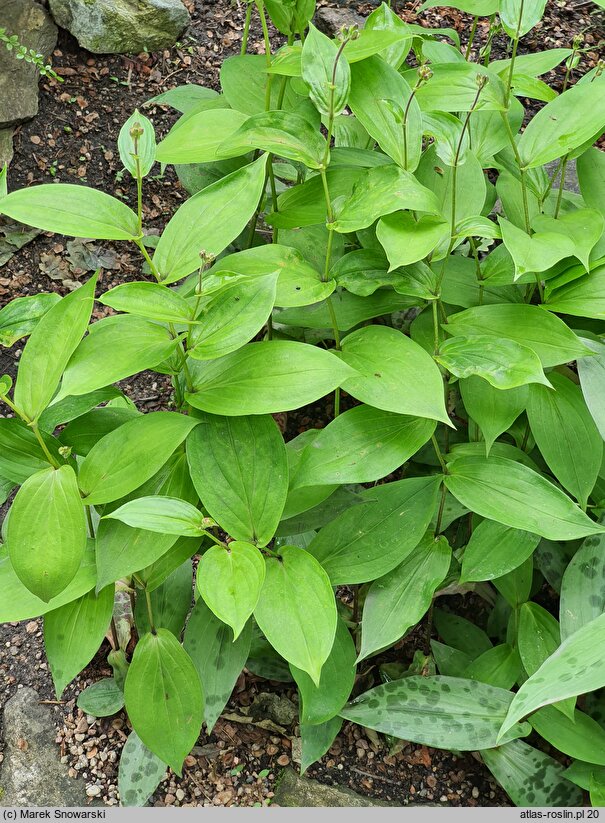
(360, 446)
(183, 98)
(461, 634)
(71, 408)
(157, 572)
(582, 596)
(328, 81)
(21, 455)
(566, 435)
(240, 471)
(584, 227)
(453, 88)
(538, 636)
(244, 80)
(574, 668)
(316, 740)
(499, 667)
(494, 550)
(380, 191)
(549, 136)
(590, 167)
(584, 297)
(494, 410)
(582, 774)
(517, 496)
(218, 658)
(349, 310)
(297, 610)
(536, 253)
(384, 19)
(197, 139)
(49, 349)
(234, 316)
(591, 371)
(398, 601)
(170, 602)
(530, 777)
(449, 661)
(164, 697)
(580, 737)
(307, 497)
(379, 96)
(280, 132)
(209, 221)
(440, 178)
(86, 431)
(518, 17)
(140, 772)
(260, 378)
(73, 634)
(165, 515)
(103, 698)
(143, 149)
(532, 326)
(46, 531)
(366, 541)
(406, 240)
(394, 373)
(21, 316)
(505, 364)
(131, 454)
(230, 580)
(148, 300)
(78, 211)
(437, 711)
(115, 348)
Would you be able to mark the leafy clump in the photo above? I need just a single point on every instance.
(371, 218)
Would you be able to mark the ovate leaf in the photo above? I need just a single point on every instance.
(582, 595)
(494, 410)
(328, 81)
(494, 550)
(165, 515)
(505, 364)
(140, 772)
(102, 698)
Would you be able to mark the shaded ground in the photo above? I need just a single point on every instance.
(73, 139)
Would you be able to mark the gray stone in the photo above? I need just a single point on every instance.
(295, 791)
(31, 773)
(329, 20)
(571, 175)
(19, 80)
(277, 708)
(6, 146)
(122, 26)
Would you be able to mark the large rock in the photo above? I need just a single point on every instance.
(31, 23)
(330, 20)
(31, 773)
(295, 791)
(122, 26)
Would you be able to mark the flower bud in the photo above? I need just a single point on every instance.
(424, 73)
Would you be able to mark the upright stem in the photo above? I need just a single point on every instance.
(53, 462)
(471, 38)
(564, 163)
(263, 19)
(91, 528)
(244, 47)
(149, 610)
(514, 54)
(513, 144)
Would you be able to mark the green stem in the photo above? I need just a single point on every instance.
(263, 19)
(441, 509)
(435, 310)
(513, 144)
(471, 38)
(477, 269)
(564, 163)
(244, 47)
(215, 539)
(439, 453)
(91, 528)
(516, 39)
(149, 610)
(53, 462)
(147, 258)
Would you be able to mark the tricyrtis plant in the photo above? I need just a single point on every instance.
(375, 216)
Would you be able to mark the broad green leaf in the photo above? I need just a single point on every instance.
(86, 431)
(580, 737)
(144, 147)
(127, 457)
(349, 310)
(499, 667)
(320, 703)
(384, 19)
(492, 409)
(549, 136)
(46, 531)
(533, 64)
(164, 697)
(49, 349)
(328, 81)
(449, 661)
(584, 297)
(407, 239)
(360, 446)
(364, 271)
(494, 550)
(505, 364)
(139, 773)
(282, 133)
(582, 773)
(240, 470)
(157, 572)
(582, 596)
(584, 227)
(183, 98)
(397, 601)
(21, 316)
(197, 139)
(574, 668)
(380, 191)
(218, 658)
(73, 634)
(21, 455)
(366, 541)
(590, 167)
(148, 300)
(566, 435)
(302, 499)
(115, 348)
(394, 373)
(591, 371)
(271, 376)
(297, 610)
(379, 96)
(18, 603)
(316, 740)
(437, 711)
(244, 81)
(230, 580)
(102, 698)
(461, 634)
(517, 496)
(209, 221)
(454, 88)
(305, 203)
(264, 661)
(165, 515)
(71, 408)
(170, 602)
(530, 777)
(532, 326)
(77, 211)
(234, 316)
(470, 183)
(520, 16)
(536, 253)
